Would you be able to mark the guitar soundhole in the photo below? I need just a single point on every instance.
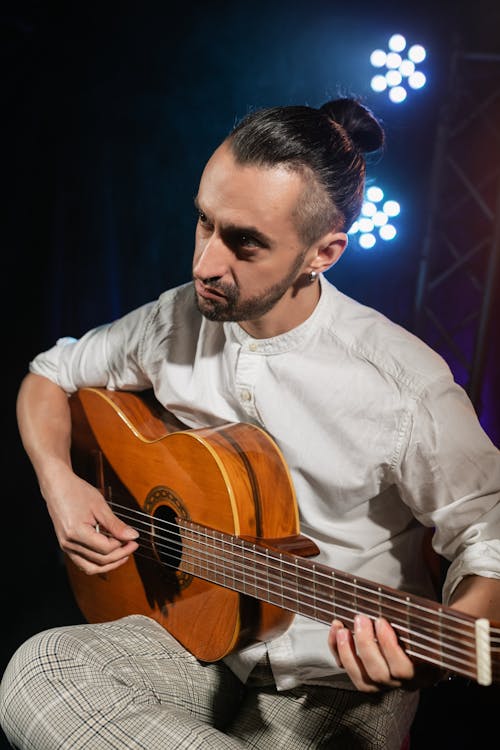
(165, 508)
(167, 540)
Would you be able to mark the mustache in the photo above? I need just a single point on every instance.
(230, 291)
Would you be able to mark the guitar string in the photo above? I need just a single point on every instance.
(292, 598)
(448, 660)
(454, 617)
(288, 602)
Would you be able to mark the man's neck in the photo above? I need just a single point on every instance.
(291, 311)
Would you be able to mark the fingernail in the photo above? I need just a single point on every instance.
(360, 622)
(342, 635)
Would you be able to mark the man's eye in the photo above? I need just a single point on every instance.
(203, 221)
(247, 241)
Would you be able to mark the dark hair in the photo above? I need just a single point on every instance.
(328, 145)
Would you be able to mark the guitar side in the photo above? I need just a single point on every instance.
(148, 465)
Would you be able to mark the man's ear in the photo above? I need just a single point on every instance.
(328, 250)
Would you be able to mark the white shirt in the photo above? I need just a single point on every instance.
(377, 436)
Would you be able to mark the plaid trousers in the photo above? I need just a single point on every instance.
(128, 685)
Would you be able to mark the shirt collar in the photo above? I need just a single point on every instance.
(292, 339)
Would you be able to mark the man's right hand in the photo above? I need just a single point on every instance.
(86, 528)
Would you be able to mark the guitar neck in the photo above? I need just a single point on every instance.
(428, 631)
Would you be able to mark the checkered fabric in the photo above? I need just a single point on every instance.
(128, 685)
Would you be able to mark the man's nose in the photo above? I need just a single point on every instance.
(211, 259)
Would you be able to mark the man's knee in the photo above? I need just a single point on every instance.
(21, 688)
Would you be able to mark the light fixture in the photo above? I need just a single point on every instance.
(376, 220)
(397, 68)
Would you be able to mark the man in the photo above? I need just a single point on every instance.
(379, 440)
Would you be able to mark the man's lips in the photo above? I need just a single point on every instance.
(207, 292)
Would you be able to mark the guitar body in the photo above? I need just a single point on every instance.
(232, 478)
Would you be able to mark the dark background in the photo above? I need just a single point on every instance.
(109, 114)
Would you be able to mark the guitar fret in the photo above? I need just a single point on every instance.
(281, 580)
(253, 591)
(219, 552)
(295, 588)
(440, 632)
(266, 578)
(239, 574)
(306, 595)
(208, 558)
(314, 603)
(408, 620)
(334, 608)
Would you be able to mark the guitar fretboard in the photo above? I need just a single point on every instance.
(428, 631)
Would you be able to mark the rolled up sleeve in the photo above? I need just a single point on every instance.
(449, 475)
(107, 356)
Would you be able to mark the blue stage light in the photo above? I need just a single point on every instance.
(379, 83)
(417, 80)
(417, 53)
(399, 63)
(397, 43)
(378, 58)
(397, 94)
(374, 193)
(376, 219)
(392, 208)
(367, 240)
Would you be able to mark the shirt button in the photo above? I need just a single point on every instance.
(246, 395)
(253, 347)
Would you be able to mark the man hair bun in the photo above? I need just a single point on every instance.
(358, 121)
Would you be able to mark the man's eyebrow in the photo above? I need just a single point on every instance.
(235, 229)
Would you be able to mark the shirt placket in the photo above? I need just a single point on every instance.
(246, 375)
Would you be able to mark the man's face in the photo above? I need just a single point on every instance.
(248, 255)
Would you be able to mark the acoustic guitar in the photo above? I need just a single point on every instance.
(221, 562)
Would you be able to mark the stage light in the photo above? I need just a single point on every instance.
(379, 219)
(397, 43)
(406, 68)
(393, 77)
(376, 219)
(397, 94)
(392, 208)
(401, 73)
(417, 80)
(388, 232)
(378, 58)
(369, 209)
(367, 240)
(417, 53)
(379, 83)
(374, 193)
(393, 60)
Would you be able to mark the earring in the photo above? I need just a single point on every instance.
(313, 275)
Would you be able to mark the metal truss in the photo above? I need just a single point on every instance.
(458, 270)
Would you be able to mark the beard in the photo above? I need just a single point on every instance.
(233, 308)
